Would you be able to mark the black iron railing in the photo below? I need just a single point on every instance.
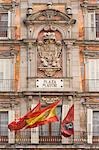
(90, 85)
(91, 33)
(7, 85)
(24, 137)
(7, 32)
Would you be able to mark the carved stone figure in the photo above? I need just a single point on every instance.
(49, 51)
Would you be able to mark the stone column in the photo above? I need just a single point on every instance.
(23, 68)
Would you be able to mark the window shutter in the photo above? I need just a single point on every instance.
(89, 125)
(65, 109)
(92, 74)
(91, 27)
(34, 132)
(11, 134)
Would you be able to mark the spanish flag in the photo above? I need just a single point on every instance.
(46, 115)
(21, 122)
(36, 117)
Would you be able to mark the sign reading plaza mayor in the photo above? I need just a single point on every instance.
(49, 83)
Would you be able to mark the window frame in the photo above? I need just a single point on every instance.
(1, 123)
(8, 25)
(50, 126)
(90, 136)
(91, 77)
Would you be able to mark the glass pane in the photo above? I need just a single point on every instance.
(3, 124)
(4, 17)
(56, 125)
(44, 130)
(3, 24)
(93, 74)
(96, 123)
(52, 129)
(97, 25)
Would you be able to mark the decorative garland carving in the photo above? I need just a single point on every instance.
(50, 99)
(49, 15)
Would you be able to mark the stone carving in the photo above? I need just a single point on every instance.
(8, 53)
(50, 100)
(49, 51)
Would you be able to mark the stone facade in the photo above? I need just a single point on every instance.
(48, 46)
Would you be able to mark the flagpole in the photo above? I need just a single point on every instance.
(40, 97)
(74, 116)
(61, 112)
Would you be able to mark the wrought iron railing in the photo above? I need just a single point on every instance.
(3, 139)
(7, 32)
(90, 85)
(7, 85)
(24, 137)
(91, 33)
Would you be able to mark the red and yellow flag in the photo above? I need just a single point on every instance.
(21, 122)
(46, 115)
(36, 117)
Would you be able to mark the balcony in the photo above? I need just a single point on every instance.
(91, 85)
(7, 85)
(24, 137)
(7, 32)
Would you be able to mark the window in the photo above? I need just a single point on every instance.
(92, 74)
(4, 124)
(92, 26)
(92, 126)
(52, 129)
(95, 123)
(6, 74)
(97, 25)
(3, 24)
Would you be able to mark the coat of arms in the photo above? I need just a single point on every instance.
(49, 51)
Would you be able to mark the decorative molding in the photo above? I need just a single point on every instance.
(10, 5)
(92, 106)
(48, 16)
(50, 100)
(92, 54)
(8, 53)
(85, 4)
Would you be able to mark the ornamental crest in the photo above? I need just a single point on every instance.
(49, 50)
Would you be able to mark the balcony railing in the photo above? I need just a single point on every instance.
(91, 33)
(24, 137)
(7, 85)
(7, 32)
(3, 139)
(91, 85)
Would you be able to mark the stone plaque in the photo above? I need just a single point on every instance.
(49, 83)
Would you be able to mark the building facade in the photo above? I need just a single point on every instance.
(49, 51)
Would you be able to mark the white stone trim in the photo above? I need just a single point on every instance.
(65, 109)
(34, 132)
(89, 125)
(11, 134)
(9, 24)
